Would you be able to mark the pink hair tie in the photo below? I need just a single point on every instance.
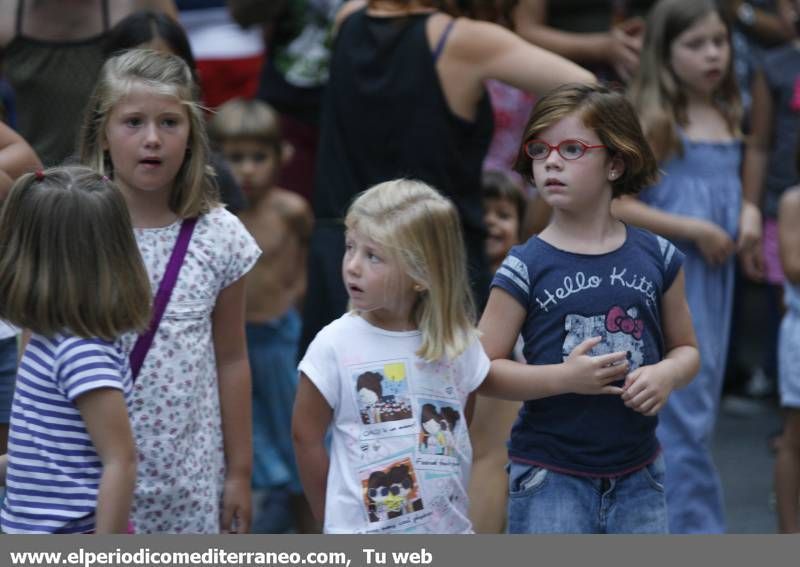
(39, 175)
(105, 178)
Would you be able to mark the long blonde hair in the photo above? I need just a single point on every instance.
(421, 230)
(68, 258)
(194, 191)
(656, 91)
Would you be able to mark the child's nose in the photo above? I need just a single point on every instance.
(151, 135)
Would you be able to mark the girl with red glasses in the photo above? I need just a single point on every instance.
(607, 331)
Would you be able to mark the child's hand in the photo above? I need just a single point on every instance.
(588, 374)
(236, 505)
(714, 243)
(647, 388)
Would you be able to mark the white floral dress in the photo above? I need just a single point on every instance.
(175, 410)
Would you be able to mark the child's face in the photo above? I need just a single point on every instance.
(577, 184)
(147, 135)
(254, 164)
(502, 223)
(700, 55)
(378, 288)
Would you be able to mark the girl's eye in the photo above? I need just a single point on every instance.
(373, 258)
(571, 150)
(170, 122)
(695, 44)
(133, 122)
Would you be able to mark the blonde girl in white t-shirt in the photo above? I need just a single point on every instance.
(411, 334)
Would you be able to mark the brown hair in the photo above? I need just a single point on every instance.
(68, 258)
(499, 185)
(656, 92)
(248, 119)
(194, 191)
(611, 116)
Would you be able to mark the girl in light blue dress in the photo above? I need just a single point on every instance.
(689, 106)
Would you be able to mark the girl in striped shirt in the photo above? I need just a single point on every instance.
(71, 273)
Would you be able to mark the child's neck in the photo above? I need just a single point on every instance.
(389, 321)
(260, 198)
(148, 211)
(584, 234)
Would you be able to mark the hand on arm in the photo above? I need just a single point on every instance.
(713, 242)
(647, 388)
(233, 370)
(106, 418)
(310, 420)
(619, 47)
(580, 373)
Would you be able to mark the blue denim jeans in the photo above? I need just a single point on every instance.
(543, 501)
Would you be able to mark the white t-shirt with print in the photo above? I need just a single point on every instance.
(401, 454)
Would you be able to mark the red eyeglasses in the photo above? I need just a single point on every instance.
(567, 149)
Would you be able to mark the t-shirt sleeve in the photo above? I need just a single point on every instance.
(672, 260)
(321, 367)
(475, 366)
(88, 364)
(513, 277)
(240, 249)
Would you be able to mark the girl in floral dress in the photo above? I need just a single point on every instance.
(191, 401)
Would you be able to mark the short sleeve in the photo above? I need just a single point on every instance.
(84, 365)
(474, 366)
(322, 368)
(672, 260)
(513, 277)
(239, 247)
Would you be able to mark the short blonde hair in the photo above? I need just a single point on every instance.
(421, 230)
(194, 191)
(68, 258)
(246, 119)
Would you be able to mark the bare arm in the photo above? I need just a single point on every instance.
(770, 28)
(483, 50)
(753, 172)
(714, 243)
(233, 369)
(789, 234)
(648, 387)
(310, 420)
(509, 380)
(16, 158)
(106, 417)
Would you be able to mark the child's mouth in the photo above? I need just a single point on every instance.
(150, 162)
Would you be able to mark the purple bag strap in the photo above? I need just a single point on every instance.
(161, 300)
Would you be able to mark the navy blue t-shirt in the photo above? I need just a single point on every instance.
(570, 298)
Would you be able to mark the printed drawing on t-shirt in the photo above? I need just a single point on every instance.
(621, 330)
(382, 392)
(437, 425)
(391, 492)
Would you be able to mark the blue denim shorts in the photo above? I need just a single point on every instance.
(543, 501)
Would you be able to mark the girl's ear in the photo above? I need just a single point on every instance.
(616, 168)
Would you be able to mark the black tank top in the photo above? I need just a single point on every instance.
(385, 116)
(52, 81)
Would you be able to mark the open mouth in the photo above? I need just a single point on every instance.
(150, 162)
(354, 289)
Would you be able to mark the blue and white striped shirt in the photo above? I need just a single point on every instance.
(53, 469)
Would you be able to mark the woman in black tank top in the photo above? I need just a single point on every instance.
(405, 98)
